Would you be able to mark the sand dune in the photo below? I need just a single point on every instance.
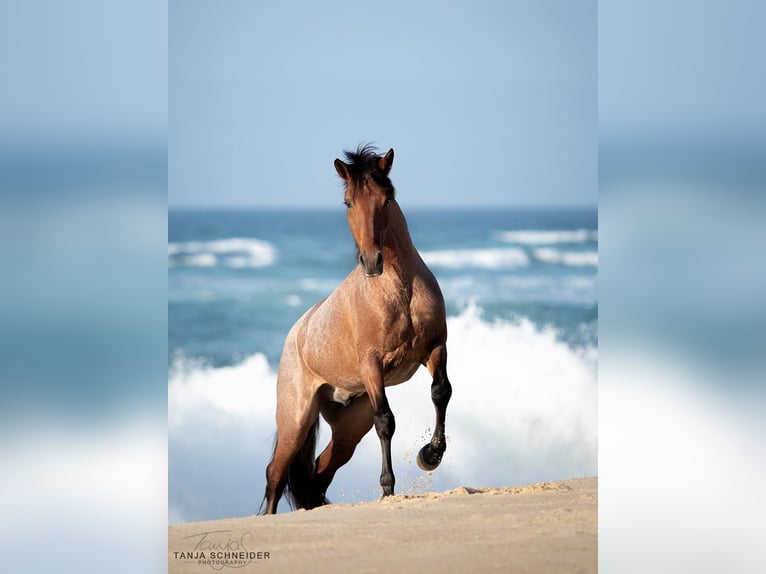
(547, 527)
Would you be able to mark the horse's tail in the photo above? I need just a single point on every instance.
(302, 490)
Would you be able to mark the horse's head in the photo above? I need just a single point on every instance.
(367, 197)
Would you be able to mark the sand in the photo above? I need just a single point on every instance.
(547, 527)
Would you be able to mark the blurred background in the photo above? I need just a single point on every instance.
(83, 285)
(88, 361)
(682, 330)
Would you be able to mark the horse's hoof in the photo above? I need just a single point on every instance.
(428, 458)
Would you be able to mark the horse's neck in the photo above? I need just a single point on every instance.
(398, 248)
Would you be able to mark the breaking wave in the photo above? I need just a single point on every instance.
(523, 410)
(234, 252)
(539, 237)
(570, 258)
(497, 258)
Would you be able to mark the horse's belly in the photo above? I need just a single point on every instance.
(400, 374)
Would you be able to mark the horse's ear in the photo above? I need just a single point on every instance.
(342, 169)
(386, 161)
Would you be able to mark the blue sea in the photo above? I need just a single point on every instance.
(521, 292)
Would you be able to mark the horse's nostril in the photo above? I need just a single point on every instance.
(379, 260)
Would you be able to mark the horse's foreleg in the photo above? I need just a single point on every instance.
(349, 424)
(430, 456)
(385, 425)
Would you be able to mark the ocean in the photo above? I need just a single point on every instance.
(520, 287)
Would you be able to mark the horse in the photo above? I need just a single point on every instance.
(385, 320)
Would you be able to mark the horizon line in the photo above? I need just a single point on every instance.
(421, 206)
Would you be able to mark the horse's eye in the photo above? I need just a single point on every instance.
(347, 203)
(388, 200)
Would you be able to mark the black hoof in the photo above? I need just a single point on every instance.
(428, 458)
(315, 503)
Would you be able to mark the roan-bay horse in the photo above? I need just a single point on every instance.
(382, 322)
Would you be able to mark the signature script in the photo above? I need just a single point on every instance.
(206, 543)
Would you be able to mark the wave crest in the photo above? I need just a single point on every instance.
(571, 258)
(234, 252)
(498, 258)
(541, 237)
(237, 390)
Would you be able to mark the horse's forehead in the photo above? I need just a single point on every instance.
(366, 188)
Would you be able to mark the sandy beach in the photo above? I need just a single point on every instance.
(546, 527)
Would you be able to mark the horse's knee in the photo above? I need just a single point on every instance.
(441, 391)
(385, 424)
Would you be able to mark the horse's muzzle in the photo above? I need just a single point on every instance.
(372, 263)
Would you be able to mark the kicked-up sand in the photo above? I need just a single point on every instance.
(549, 527)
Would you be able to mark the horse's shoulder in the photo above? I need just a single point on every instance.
(426, 286)
(302, 325)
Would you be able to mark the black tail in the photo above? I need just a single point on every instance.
(302, 491)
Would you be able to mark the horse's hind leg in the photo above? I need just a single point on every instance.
(349, 424)
(430, 456)
(293, 430)
(276, 474)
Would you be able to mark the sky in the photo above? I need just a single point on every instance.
(485, 104)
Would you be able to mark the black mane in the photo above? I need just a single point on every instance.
(363, 164)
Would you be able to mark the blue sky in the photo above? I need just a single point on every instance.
(485, 103)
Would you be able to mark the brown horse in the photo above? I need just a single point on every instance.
(382, 322)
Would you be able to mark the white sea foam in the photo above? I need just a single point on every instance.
(523, 410)
(572, 289)
(238, 391)
(539, 237)
(512, 287)
(571, 258)
(240, 262)
(233, 252)
(496, 258)
(293, 300)
(196, 260)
